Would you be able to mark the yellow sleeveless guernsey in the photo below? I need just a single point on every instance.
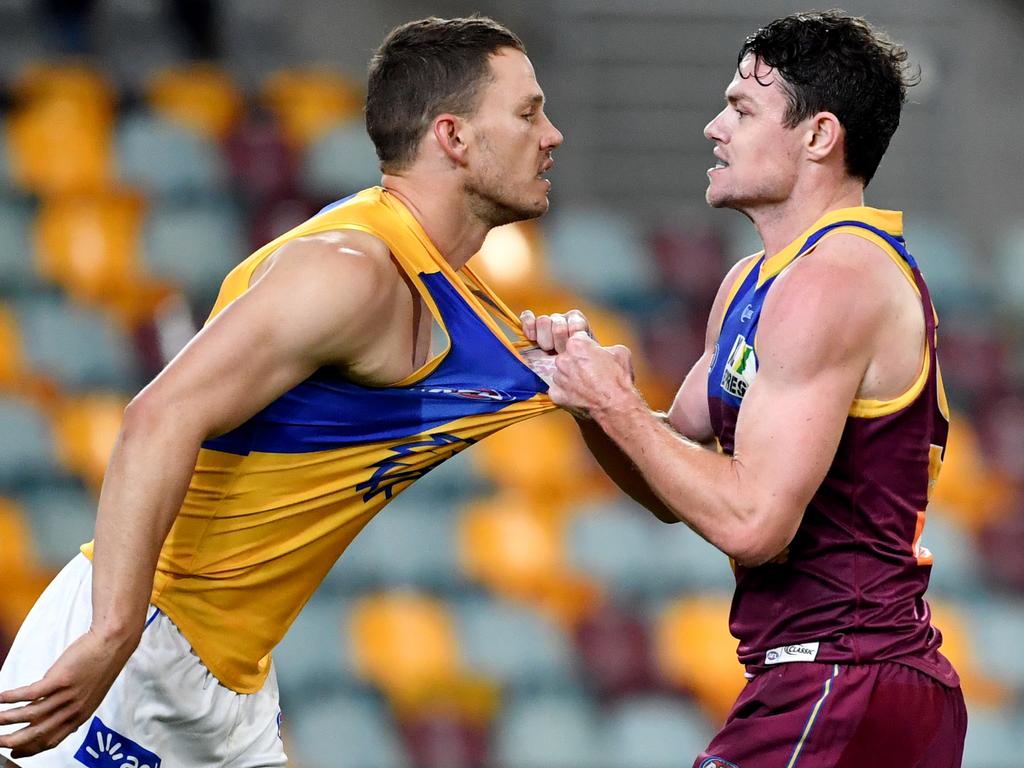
(273, 503)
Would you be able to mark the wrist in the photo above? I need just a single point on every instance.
(623, 408)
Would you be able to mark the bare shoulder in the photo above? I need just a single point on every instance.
(830, 305)
(353, 266)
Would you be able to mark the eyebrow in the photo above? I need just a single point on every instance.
(741, 98)
(535, 100)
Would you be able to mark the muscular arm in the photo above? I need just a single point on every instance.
(815, 340)
(688, 416)
(320, 302)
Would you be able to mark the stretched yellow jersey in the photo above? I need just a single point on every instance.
(273, 503)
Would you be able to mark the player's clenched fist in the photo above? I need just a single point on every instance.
(552, 332)
(589, 378)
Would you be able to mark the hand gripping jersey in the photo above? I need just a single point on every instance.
(273, 503)
(850, 586)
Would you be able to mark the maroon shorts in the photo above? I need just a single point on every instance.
(810, 715)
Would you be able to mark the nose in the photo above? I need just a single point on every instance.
(552, 137)
(713, 130)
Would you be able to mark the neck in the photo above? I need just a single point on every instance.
(443, 213)
(780, 224)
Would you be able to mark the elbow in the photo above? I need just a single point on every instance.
(141, 417)
(149, 415)
(762, 539)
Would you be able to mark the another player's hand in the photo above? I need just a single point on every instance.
(552, 332)
(67, 695)
(589, 377)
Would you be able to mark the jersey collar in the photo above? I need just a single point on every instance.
(888, 221)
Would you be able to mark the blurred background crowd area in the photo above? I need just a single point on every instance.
(512, 609)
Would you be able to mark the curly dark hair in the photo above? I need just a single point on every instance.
(425, 68)
(831, 61)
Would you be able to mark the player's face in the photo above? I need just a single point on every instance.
(757, 156)
(513, 143)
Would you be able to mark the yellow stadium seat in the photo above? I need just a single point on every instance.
(506, 544)
(979, 689)
(86, 429)
(44, 81)
(404, 643)
(515, 547)
(308, 102)
(967, 488)
(23, 578)
(694, 650)
(543, 459)
(16, 553)
(13, 368)
(60, 145)
(89, 245)
(201, 97)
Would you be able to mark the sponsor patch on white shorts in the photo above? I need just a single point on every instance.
(104, 747)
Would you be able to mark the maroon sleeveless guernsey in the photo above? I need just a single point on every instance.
(850, 586)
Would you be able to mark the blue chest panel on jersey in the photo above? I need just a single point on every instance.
(734, 364)
(478, 375)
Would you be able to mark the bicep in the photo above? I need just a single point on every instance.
(689, 414)
(787, 433)
(813, 347)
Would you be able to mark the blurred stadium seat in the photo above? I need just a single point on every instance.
(60, 145)
(543, 460)
(313, 660)
(29, 455)
(615, 653)
(199, 96)
(309, 102)
(343, 730)
(510, 547)
(548, 731)
(512, 645)
(86, 428)
(76, 347)
(404, 643)
(163, 158)
(62, 518)
(995, 739)
(695, 651)
(89, 245)
(653, 732)
(443, 740)
(340, 162)
(194, 244)
(600, 252)
(64, 80)
(411, 543)
(16, 247)
(263, 166)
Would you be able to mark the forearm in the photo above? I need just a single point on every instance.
(708, 491)
(145, 483)
(621, 469)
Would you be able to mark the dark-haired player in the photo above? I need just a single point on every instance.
(307, 402)
(820, 383)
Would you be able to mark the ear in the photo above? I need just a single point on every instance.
(824, 135)
(449, 132)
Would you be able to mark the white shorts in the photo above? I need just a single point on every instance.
(164, 709)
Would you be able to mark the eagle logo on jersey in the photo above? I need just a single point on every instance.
(406, 463)
(740, 368)
(495, 395)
